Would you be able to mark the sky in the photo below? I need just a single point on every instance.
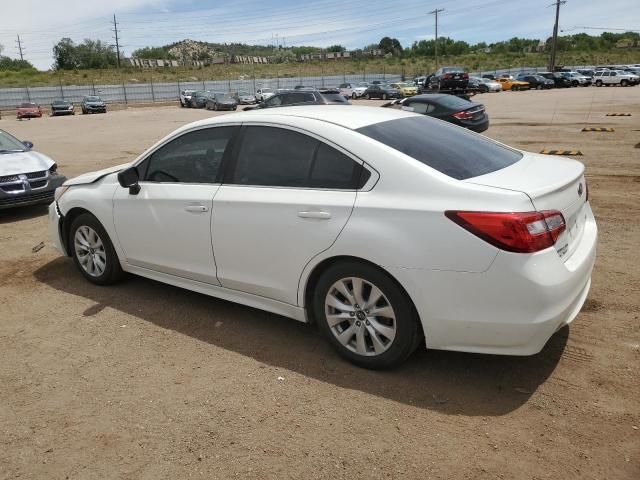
(352, 23)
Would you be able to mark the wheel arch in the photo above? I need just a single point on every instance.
(309, 282)
(65, 227)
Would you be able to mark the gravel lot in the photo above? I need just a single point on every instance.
(147, 381)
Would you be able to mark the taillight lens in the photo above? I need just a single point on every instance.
(464, 115)
(525, 232)
(465, 75)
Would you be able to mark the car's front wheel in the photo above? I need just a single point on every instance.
(353, 95)
(365, 315)
(93, 252)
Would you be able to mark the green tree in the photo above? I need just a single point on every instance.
(88, 54)
(153, 53)
(336, 48)
(64, 55)
(390, 45)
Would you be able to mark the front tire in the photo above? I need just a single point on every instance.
(365, 315)
(384, 96)
(93, 252)
(354, 96)
(624, 83)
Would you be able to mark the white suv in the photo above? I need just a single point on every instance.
(614, 77)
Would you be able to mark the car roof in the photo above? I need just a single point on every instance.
(351, 117)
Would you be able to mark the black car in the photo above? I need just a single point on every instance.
(536, 81)
(93, 104)
(287, 98)
(559, 80)
(221, 101)
(449, 108)
(381, 91)
(62, 107)
(449, 78)
(199, 99)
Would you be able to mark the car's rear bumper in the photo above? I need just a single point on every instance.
(513, 308)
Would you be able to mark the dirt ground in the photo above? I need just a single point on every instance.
(147, 381)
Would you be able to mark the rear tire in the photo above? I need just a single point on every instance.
(538, 87)
(598, 83)
(575, 83)
(515, 88)
(93, 252)
(353, 95)
(358, 335)
(384, 96)
(367, 96)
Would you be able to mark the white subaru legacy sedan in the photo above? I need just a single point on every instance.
(384, 227)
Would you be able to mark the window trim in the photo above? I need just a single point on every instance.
(230, 166)
(226, 158)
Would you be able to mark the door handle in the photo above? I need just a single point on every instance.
(315, 214)
(196, 208)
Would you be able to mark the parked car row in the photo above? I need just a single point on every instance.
(89, 104)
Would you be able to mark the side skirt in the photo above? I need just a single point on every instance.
(248, 299)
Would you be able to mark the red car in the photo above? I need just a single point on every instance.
(29, 110)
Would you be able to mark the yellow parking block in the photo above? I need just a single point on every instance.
(560, 152)
(597, 129)
(618, 115)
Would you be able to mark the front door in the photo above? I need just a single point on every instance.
(166, 227)
(287, 199)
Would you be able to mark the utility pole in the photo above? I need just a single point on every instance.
(115, 30)
(552, 63)
(435, 12)
(20, 48)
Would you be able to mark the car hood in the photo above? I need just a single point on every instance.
(23, 162)
(65, 105)
(91, 177)
(28, 109)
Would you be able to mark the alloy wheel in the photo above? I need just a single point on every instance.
(90, 251)
(360, 316)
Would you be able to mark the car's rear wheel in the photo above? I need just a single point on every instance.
(575, 83)
(353, 95)
(365, 315)
(538, 87)
(93, 252)
(515, 88)
(384, 96)
(598, 83)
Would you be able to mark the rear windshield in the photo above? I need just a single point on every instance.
(334, 97)
(449, 149)
(452, 101)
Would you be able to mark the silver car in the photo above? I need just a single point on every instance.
(26, 177)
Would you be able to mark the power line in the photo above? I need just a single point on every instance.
(552, 63)
(435, 12)
(115, 31)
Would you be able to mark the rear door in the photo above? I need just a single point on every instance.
(285, 200)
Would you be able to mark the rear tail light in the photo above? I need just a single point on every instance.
(526, 232)
(464, 115)
(465, 75)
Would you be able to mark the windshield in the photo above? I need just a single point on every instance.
(223, 96)
(28, 105)
(58, 102)
(446, 148)
(267, 90)
(244, 94)
(93, 99)
(452, 101)
(9, 143)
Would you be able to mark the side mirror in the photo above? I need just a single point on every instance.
(128, 178)
(28, 144)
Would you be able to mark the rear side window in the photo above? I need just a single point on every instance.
(277, 157)
(449, 149)
(332, 169)
(451, 101)
(274, 157)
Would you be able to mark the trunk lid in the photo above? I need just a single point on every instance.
(552, 183)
